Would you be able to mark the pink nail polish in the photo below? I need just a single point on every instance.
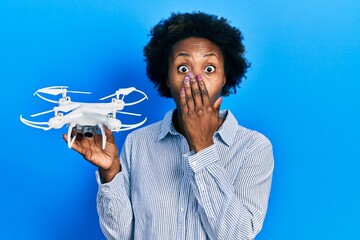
(199, 78)
(191, 75)
(182, 90)
(187, 80)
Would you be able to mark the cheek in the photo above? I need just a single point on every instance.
(214, 95)
(175, 83)
(214, 87)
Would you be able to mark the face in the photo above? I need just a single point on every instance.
(201, 57)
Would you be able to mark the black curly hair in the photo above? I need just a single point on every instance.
(180, 26)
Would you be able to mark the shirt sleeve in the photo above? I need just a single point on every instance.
(114, 205)
(232, 209)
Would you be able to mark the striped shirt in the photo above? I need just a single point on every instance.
(165, 191)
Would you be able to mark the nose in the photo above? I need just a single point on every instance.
(195, 73)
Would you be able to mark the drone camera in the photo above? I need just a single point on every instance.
(87, 131)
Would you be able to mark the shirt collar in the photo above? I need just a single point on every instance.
(167, 126)
(226, 131)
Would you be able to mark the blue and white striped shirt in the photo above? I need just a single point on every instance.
(165, 191)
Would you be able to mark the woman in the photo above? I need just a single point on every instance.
(196, 174)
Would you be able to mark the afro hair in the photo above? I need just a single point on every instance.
(179, 26)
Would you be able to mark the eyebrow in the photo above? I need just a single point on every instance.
(182, 54)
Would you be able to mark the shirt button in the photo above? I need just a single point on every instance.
(194, 163)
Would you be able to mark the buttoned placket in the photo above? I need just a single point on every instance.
(183, 194)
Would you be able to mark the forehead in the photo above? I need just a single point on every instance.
(196, 45)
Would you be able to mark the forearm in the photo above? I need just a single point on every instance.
(229, 215)
(114, 209)
(233, 211)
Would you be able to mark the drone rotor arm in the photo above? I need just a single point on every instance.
(68, 107)
(62, 108)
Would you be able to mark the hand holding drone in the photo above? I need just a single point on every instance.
(85, 118)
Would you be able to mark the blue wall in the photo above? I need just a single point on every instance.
(302, 92)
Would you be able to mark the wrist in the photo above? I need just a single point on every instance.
(107, 175)
(199, 147)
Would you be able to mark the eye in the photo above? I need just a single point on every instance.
(210, 69)
(183, 69)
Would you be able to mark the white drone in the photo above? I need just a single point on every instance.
(88, 118)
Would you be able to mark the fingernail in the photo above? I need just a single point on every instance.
(199, 79)
(187, 80)
(182, 90)
(191, 75)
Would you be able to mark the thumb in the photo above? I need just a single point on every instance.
(109, 136)
(217, 104)
(65, 137)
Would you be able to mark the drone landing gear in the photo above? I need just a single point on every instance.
(86, 131)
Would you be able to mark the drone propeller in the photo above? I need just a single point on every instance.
(129, 113)
(56, 90)
(121, 91)
(42, 113)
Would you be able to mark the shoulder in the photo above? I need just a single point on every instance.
(236, 134)
(255, 149)
(154, 131)
(252, 137)
(147, 132)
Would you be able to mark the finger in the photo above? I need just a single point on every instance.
(195, 90)
(78, 138)
(77, 146)
(217, 104)
(188, 95)
(204, 92)
(109, 136)
(183, 103)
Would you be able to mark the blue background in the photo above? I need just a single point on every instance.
(302, 91)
